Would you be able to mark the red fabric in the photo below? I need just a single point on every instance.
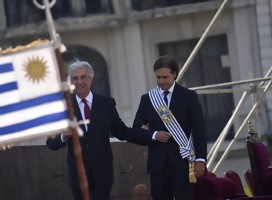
(210, 187)
(236, 179)
(250, 182)
(262, 163)
(87, 110)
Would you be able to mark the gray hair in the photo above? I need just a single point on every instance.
(77, 64)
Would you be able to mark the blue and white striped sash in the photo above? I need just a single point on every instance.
(186, 146)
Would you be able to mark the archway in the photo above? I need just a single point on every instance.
(101, 79)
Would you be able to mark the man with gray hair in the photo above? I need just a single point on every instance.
(96, 150)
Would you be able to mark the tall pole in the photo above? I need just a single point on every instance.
(75, 138)
(201, 40)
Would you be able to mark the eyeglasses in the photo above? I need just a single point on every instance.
(82, 77)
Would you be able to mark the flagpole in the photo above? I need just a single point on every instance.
(75, 139)
(77, 148)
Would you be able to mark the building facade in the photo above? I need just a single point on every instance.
(123, 38)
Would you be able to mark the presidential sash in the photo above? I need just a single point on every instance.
(186, 145)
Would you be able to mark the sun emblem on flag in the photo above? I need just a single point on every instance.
(36, 69)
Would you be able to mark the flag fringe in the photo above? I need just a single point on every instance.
(32, 44)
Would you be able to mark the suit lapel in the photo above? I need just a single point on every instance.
(77, 112)
(76, 109)
(94, 109)
(176, 98)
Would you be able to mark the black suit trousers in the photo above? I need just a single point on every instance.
(171, 184)
(98, 193)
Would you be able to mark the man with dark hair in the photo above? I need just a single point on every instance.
(175, 109)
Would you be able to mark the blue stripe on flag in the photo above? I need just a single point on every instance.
(8, 87)
(7, 67)
(32, 102)
(34, 123)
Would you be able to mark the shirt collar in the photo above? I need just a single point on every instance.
(171, 89)
(89, 98)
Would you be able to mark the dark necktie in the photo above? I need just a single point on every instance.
(165, 97)
(87, 110)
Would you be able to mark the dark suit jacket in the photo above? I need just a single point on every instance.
(95, 144)
(187, 109)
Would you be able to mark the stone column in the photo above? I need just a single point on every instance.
(136, 66)
(126, 69)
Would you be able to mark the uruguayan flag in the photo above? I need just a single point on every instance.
(32, 103)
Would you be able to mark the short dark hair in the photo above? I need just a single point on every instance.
(166, 62)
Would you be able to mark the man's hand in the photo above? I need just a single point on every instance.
(145, 126)
(199, 168)
(163, 136)
(66, 134)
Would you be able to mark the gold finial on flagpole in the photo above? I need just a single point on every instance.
(32, 44)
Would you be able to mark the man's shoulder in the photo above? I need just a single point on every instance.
(145, 96)
(183, 89)
(103, 98)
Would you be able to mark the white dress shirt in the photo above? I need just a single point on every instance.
(89, 99)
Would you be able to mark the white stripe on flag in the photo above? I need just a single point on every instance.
(9, 98)
(31, 113)
(38, 131)
(6, 59)
(7, 77)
